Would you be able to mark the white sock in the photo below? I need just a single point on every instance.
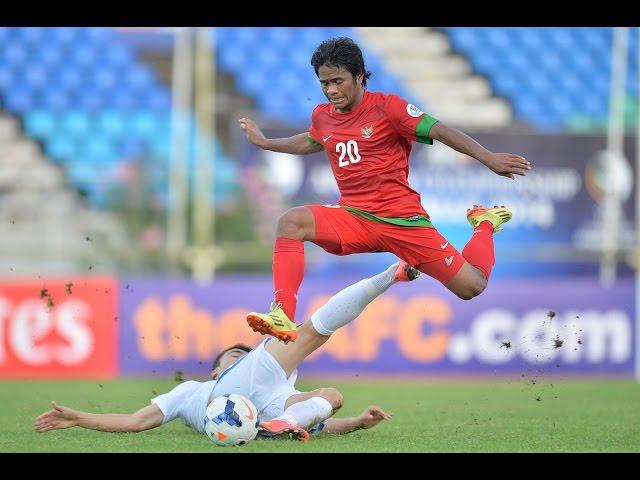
(349, 302)
(308, 413)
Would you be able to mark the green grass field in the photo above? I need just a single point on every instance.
(429, 416)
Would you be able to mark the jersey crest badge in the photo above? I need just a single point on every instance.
(413, 110)
(367, 132)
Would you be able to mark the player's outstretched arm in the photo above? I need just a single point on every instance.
(369, 418)
(60, 417)
(505, 164)
(300, 144)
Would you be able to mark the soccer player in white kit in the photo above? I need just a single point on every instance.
(266, 375)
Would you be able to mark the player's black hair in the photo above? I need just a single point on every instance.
(341, 52)
(239, 346)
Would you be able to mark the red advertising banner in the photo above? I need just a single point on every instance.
(58, 328)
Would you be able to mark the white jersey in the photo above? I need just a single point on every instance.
(257, 376)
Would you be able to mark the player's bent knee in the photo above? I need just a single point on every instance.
(333, 396)
(295, 222)
(471, 290)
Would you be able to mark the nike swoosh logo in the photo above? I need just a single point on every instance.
(250, 415)
(448, 260)
(444, 245)
(325, 139)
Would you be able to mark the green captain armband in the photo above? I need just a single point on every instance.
(312, 140)
(423, 129)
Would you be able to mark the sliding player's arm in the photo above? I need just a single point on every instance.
(60, 417)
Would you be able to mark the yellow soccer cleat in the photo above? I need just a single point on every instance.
(496, 215)
(275, 323)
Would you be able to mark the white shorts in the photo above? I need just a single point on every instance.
(260, 378)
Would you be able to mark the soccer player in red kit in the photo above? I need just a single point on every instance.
(367, 137)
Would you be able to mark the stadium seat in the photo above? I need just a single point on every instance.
(18, 99)
(60, 148)
(553, 61)
(30, 36)
(39, 123)
(15, 54)
(55, 100)
(139, 78)
(105, 78)
(158, 100)
(119, 56)
(35, 76)
(143, 124)
(6, 77)
(67, 78)
(65, 36)
(91, 99)
(75, 124)
(83, 55)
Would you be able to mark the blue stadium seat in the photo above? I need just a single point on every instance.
(310, 38)
(55, 100)
(499, 38)
(595, 106)
(131, 147)
(464, 39)
(83, 55)
(32, 36)
(540, 84)
(50, 57)
(15, 54)
(570, 83)
(18, 99)
(40, 123)
(98, 36)
(280, 37)
(245, 37)
(96, 149)
(110, 123)
(35, 76)
(560, 104)
(139, 77)
(530, 39)
(158, 100)
(562, 39)
(90, 98)
(60, 148)
(105, 78)
(143, 124)
(233, 58)
(67, 78)
(119, 56)
(65, 36)
(487, 64)
(123, 100)
(6, 77)
(505, 84)
(267, 58)
(75, 124)
(253, 84)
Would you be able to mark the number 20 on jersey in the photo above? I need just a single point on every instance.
(349, 149)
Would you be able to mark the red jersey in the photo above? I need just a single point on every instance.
(368, 149)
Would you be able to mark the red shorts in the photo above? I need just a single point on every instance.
(343, 233)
